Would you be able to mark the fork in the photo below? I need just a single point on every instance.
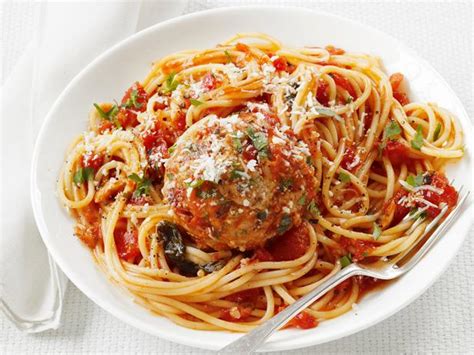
(383, 270)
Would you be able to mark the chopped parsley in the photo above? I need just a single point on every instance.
(237, 144)
(195, 183)
(346, 260)
(417, 141)
(285, 224)
(437, 132)
(328, 112)
(302, 200)
(195, 102)
(415, 180)
(172, 149)
(343, 177)
(227, 54)
(392, 130)
(313, 209)
(83, 175)
(143, 185)
(262, 215)
(377, 231)
(132, 100)
(110, 114)
(170, 83)
(237, 174)
(285, 184)
(259, 141)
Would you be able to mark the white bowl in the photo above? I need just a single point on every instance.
(108, 76)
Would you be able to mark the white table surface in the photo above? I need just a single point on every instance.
(440, 321)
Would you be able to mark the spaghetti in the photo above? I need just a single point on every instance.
(234, 180)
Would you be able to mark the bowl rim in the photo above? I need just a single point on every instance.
(191, 341)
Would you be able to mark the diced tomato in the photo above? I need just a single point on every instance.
(349, 161)
(237, 313)
(93, 161)
(154, 137)
(334, 50)
(134, 100)
(395, 81)
(249, 153)
(291, 245)
(359, 249)
(367, 284)
(392, 211)
(105, 126)
(126, 242)
(396, 152)
(159, 106)
(209, 82)
(262, 254)
(302, 320)
(322, 93)
(448, 196)
(89, 235)
(180, 122)
(343, 83)
(280, 64)
(246, 296)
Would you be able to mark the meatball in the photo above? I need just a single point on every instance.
(235, 182)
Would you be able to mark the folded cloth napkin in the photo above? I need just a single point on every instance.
(67, 37)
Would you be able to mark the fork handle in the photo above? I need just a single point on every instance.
(251, 341)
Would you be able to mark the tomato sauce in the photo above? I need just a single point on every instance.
(448, 196)
(322, 92)
(343, 83)
(126, 242)
(348, 161)
(359, 249)
(134, 100)
(396, 80)
(396, 152)
(302, 320)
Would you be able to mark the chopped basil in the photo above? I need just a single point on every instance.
(170, 83)
(313, 209)
(170, 176)
(110, 114)
(328, 112)
(143, 185)
(237, 174)
(415, 180)
(227, 54)
(285, 184)
(259, 141)
(262, 215)
(172, 149)
(132, 100)
(417, 141)
(195, 183)
(346, 260)
(343, 177)
(285, 224)
(195, 102)
(377, 231)
(437, 131)
(415, 213)
(237, 144)
(392, 130)
(83, 175)
(302, 200)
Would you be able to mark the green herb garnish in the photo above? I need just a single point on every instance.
(313, 209)
(415, 180)
(285, 184)
(143, 185)
(262, 215)
(227, 54)
(172, 149)
(346, 260)
(110, 114)
(195, 102)
(170, 83)
(377, 231)
(343, 177)
(83, 175)
(195, 183)
(237, 174)
(417, 141)
(285, 224)
(132, 100)
(437, 131)
(302, 200)
(349, 99)
(328, 112)
(259, 141)
(392, 130)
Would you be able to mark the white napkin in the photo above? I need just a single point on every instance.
(69, 36)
